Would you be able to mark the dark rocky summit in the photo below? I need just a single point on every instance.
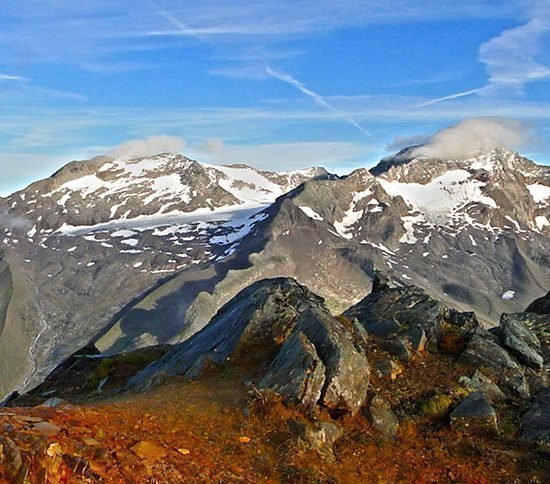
(315, 358)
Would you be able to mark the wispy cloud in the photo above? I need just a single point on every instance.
(511, 57)
(9, 77)
(317, 98)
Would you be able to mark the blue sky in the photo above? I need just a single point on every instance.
(279, 84)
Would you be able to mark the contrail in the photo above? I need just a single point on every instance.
(317, 98)
(454, 96)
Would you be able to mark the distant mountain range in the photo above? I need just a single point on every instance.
(131, 253)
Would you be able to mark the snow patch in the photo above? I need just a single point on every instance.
(310, 213)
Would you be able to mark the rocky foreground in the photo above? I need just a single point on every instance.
(400, 388)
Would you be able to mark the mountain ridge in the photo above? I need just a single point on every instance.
(331, 233)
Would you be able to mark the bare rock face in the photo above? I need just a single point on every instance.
(315, 358)
(297, 373)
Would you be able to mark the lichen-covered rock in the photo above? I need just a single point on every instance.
(296, 373)
(484, 353)
(436, 406)
(393, 310)
(535, 423)
(474, 415)
(381, 417)
(521, 340)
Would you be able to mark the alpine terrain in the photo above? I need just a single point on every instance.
(132, 253)
(400, 307)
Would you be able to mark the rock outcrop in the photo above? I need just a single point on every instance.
(313, 357)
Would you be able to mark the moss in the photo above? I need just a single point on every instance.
(437, 406)
(136, 358)
(460, 392)
(103, 369)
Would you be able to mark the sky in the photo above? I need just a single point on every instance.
(278, 84)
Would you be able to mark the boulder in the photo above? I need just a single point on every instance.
(539, 324)
(347, 368)
(474, 415)
(417, 338)
(320, 435)
(397, 347)
(296, 373)
(484, 353)
(535, 424)
(381, 417)
(517, 337)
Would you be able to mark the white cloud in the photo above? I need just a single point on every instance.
(9, 77)
(147, 147)
(511, 57)
(474, 135)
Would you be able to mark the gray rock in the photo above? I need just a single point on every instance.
(407, 311)
(484, 353)
(539, 324)
(320, 435)
(397, 347)
(479, 382)
(535, 423)
(347, 368)
(384, 328)
(474, 415)
(296, 373)
(381, 417)
(521, 340)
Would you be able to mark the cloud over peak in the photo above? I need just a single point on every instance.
(150, 146)
(475, 135)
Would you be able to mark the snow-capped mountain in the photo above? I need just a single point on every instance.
(139, 252)
(80, 245)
